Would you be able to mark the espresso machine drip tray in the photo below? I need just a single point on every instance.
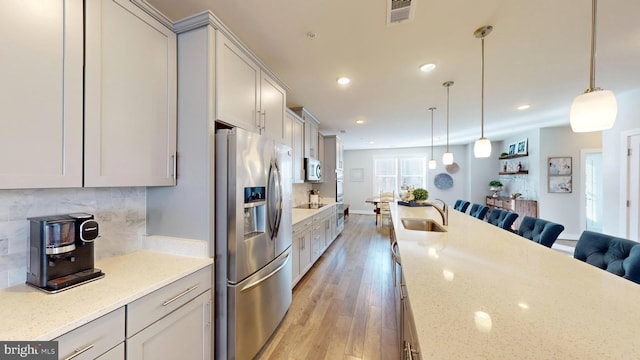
(72, 280)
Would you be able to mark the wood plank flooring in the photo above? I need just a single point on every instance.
(344, 306)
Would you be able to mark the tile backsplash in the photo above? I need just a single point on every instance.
(121, 213)
(301, 194)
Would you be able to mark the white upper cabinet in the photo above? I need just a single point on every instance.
(246, 96)
(41, 94)
(237, 86)
(130, 97)
(273, 105)
(298, 147)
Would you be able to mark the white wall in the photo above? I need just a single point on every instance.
(357, 192)
(564, 208)
(480, 172)
(614, 160)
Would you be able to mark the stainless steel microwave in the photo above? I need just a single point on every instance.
(313, 169)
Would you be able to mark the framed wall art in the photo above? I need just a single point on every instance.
(512, 149)
(559, 173)
(522, 147)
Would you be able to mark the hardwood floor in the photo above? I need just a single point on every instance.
(344, 306)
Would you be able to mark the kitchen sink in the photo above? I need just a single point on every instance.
(422, 225)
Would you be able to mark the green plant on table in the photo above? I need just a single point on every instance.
(420, 194)
(495, 183)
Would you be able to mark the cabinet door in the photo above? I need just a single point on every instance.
(41, 96)
(310, 139)
(305, 252)
(295, 258)
(237, 86)
(272, 109)
(298, 151)
(130, 97)
(183, 334)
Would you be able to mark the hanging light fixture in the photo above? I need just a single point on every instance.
(447, 157)
(596, 109)
(432, 163)
(482, 147)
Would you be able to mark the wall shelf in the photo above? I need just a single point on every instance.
(513, 156)
(521, 172)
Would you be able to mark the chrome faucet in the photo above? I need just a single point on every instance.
(444, 212)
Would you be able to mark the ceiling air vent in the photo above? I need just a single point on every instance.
(399, 11)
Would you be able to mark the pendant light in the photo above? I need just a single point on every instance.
(482, 147)
(432, 163)
(447, 157)
(596, 109)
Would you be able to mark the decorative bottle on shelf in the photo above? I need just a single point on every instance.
(519, 166)
(505, 166)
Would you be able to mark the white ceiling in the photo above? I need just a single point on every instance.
(538, 54)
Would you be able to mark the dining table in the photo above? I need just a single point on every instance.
(376, 209)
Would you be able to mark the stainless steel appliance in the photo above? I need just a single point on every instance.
(253, 241)
(339, 200)
(61, 251)
(312, 169)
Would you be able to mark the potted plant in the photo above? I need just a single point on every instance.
(495, 186)
(420, 195)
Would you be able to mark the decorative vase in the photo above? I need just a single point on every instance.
(495, 190)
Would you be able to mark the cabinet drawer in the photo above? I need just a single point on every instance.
(498, 203)
(301, 226)
(93, 339)
(508, 204)
(117, 353)
(152, 307)
(490, 201)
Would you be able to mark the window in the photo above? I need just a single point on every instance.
(391, 173)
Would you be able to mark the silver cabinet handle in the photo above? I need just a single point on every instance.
(169, 301)
(79, 351)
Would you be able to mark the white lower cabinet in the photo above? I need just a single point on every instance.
(301, 250)
(183, 334)
(103, 336)
(173, 322)
(311, 238)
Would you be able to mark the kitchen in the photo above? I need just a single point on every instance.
(146, 208)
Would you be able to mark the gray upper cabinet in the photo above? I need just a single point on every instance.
(246, 96)
(130, 97)
(41, 94)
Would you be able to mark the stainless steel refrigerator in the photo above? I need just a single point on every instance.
(253, 241)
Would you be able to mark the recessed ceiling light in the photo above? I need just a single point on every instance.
(427, 67)
(359, 121)
(371, 142)
(343, 80)
(523, 107)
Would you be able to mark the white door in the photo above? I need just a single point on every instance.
(593, 190)
(633, 205)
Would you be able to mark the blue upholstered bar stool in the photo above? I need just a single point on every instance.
(502, 218)
(613, 254)
(461, 205)
(478, 211)
(541, 231)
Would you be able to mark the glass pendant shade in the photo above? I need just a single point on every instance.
(447, 158)
(482, 148)
(593, 111)
(432, 164)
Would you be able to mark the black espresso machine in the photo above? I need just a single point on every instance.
(61, 251)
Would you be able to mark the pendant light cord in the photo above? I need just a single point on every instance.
(447, 118)
(592, 63)
(432, 132)
(482, 96)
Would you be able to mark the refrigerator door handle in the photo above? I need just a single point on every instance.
(274, 200)
(265, 278)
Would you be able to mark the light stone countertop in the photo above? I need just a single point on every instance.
(298, 215)
(30, 314)
(480, 292)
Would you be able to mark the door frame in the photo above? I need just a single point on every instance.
(583, 187)
(624, 177)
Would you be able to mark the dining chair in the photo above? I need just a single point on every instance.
(383, 206)
(613, 254)
(478, 211)
(502, 218)
(461, 205)
(538, 230)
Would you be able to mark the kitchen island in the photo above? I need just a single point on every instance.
(480, 292)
